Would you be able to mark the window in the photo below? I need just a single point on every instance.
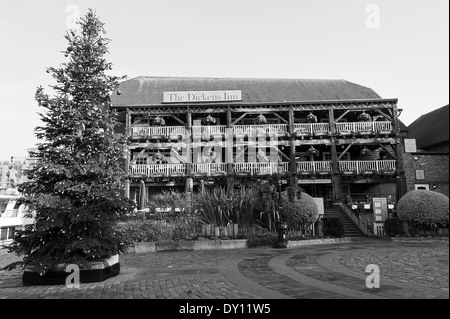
(12, 230)
(141, 161)
(3, 233)
(425, 187)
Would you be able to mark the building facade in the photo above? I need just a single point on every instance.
(427, 166)
(333, 138)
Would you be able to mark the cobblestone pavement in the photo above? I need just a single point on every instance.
(416, 270)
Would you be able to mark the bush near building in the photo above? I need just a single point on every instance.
(333, 227)
(424, 207)
(393, 227)
(300, 212)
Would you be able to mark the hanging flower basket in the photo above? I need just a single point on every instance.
(313, 152)
(364, 117)
(311, 118)
(158, 156)
(261, 119)
(210, 120)
(365, 151)
(159, 121)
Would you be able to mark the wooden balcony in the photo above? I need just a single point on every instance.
(363, 128)
(258, 130)
(209, 130)
(213, 169)
(312, 129)
(367, 167)
(158, 131)
(312, 168)
(254, 169)
(158, 170)
(387, 167)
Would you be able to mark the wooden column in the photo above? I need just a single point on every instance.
(229, 151)
(335, 177)
(127, 155)
(401, 186)
(293, 167)
(189, 180)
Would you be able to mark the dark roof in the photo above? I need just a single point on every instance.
(145, 90)
(431, 128)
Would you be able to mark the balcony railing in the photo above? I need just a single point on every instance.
(158, 169)
(348, 128)
(312, 128)
(209, 130)
(255, 130)
(357, 167)
(271, 168)
(313, 167)
(143, 131)
(261, 168)
(209, 169)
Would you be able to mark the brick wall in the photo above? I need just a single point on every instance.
(435, 169)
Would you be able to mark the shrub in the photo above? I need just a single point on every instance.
(213, 207)
(425, 207)
(333, 227)
(258, 240)
(393, 226)
(144, 230)
(300, 212)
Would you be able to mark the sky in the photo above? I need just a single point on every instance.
(399, 48)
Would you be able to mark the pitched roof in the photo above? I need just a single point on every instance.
(144, 90)
(430, 128)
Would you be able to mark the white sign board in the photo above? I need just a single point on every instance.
(320, 206)
(202, 96)
(410, 145)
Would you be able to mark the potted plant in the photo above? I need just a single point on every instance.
(261, 119)
(311, 118)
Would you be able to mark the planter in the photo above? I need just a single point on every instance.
(98, 270)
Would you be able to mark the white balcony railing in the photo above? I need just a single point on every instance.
(320, 166)
(261, 168)
(158, 169)
(312, 128)
(159, 131)
(362, 127)
(367, 166)
(209, 130)
(255, 130)
(209, 168)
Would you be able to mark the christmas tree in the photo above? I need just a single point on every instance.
(76, 188)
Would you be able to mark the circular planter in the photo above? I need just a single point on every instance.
(98, 270)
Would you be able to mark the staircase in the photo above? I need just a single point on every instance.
(350, 229)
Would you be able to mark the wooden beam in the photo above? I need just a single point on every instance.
(239, 118)
(138, 156)
(240, 154)
(178, 156)
(281, 153)
(280, 117)
(387, 151)
(345, 151)
(178, 119)
(385, 115)
(340, 117)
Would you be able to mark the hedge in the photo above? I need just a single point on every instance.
(426, 207)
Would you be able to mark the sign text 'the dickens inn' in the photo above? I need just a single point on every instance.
(202, 96)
